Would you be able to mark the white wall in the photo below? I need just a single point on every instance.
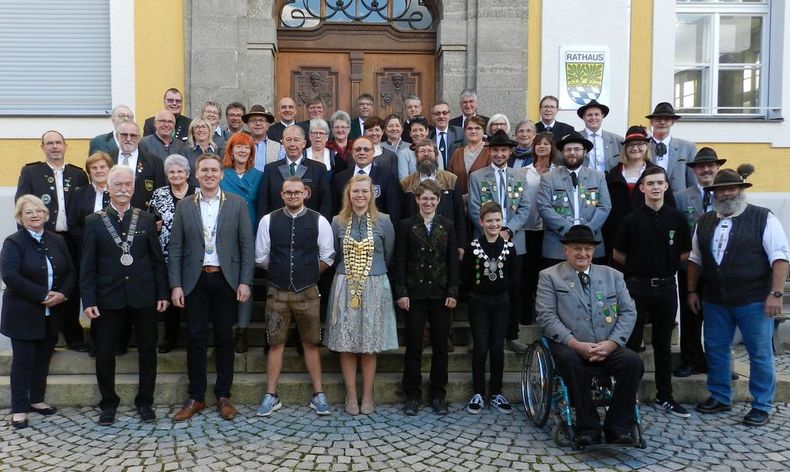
(581, 22)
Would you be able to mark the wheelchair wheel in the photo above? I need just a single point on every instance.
(560, 435)
(537, 382)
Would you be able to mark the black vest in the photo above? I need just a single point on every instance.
(293, 259)
(744, 275)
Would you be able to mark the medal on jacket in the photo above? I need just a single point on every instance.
(125, 246)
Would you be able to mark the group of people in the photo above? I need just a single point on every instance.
(582, 232)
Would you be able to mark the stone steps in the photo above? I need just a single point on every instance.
(81, 389)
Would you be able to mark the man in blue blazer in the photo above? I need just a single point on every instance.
(670, 152)
(211, 265)
(569, 195)
(312, 173)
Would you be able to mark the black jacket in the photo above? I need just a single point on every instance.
(37, 178)
(104, 281)
(314, 175)
(80, 206)
(148, 176)
(24, 270)
(388, 200)
(426, 265)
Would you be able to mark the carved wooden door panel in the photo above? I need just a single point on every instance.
(339, 77)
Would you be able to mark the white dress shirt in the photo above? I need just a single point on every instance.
(60, 223)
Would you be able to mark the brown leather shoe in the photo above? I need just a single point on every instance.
(188, 410)
(225, 409)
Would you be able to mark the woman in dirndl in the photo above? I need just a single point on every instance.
(361, 321)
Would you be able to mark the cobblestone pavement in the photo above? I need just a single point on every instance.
(294, 438)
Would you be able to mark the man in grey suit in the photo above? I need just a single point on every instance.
(670, 152)
(505, 186)
(587, 314)
(694, 202)
(607, 146)
(447, 137)
(211, 265)
(570, 195)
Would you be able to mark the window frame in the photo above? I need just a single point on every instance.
(709, 108)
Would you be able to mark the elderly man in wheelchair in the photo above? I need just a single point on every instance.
(587, 316)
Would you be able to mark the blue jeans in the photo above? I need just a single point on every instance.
(757, 330)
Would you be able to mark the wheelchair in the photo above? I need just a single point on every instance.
(544, 393)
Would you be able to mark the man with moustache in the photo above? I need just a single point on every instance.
(54, 182)
(106, 141)
(694, 202)
(211, 266)
(740, 252)
(149, 170)
(162, 143)
(451, 205)
(123, 279)
(572, 194)
(173, 101)
(295, 164)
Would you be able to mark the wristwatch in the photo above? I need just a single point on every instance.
(777, 294)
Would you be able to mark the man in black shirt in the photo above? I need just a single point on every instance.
(651, 243)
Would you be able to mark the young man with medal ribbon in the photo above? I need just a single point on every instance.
(123, 278)
(211, 270)
(489, 267)
(652, 242)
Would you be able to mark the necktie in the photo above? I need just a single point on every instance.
(502, 190)
(594, 153)
(706, 200)
(126, 157)
(574, 179)
(548, 128)
(360, 172)
(443, 148)
(584, 279)
(661, 149)
(293, 169)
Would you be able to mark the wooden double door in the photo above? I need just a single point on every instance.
(338, 77)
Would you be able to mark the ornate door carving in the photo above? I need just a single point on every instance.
(310, 82)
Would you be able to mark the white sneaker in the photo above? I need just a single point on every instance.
(475, 405)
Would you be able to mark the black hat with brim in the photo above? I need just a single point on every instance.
(575, 137)
(704, 156)
(727, 178)
(579, 234)
(500, 138)
(593, 104)
(664, 110)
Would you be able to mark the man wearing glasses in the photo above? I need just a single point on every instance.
(549, 106)
(162, 143)
(295, 244)
(296, 164)
(148, 169)
(447, 137)
(365, 106)
(174, 102)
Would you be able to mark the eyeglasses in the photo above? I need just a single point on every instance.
(235, 115)
(124, 116)
(172, 122)
(362, 149)
(129, 135)
(635, 145)
(211, 112)
(573, 149)
(297, 193)
(173, 100)
(443, 112)
(318, 133)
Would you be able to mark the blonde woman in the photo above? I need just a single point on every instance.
(361, 321)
